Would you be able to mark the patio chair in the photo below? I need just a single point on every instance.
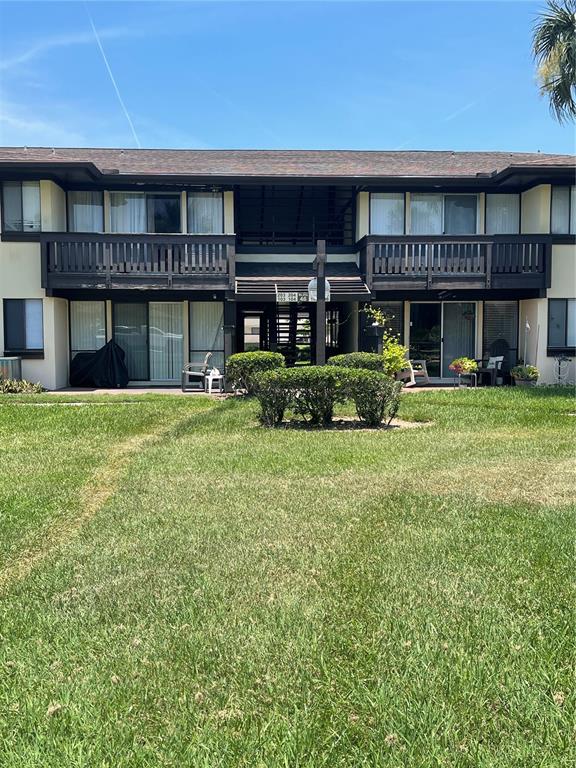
(492, 369)
(191, 374)
(420, 370)
(406, 375)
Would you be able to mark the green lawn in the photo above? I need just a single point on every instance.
(182, 587)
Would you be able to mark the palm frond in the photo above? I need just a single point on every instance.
(554, 50)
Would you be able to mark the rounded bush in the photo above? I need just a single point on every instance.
(310, 391)
(243, 367)
(273, 396)
(370, 361)
(375, 395)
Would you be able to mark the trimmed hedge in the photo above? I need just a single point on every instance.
(370, 361)
(312, 392)
(375, 395)
(243, 368)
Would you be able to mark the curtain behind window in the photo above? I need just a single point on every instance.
(85, 212)
(31, 206)
(387, 213)
(502, 214)
(166, 337)
(560, 210)
(127, 212)
(460, 214)
(206, 332)
(425, 214)
(205, 213)
(87, 326)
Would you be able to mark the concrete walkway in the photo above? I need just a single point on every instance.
(195, 393)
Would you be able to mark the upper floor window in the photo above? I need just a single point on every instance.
(387, 213)
(85, 212)
(502, 214)
(23, 326)
(205, 213)
(438, 214)
(561, 323)
(138, 212)
(563, 211)
(21, 206)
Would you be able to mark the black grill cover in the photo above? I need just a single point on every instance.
(105, 368)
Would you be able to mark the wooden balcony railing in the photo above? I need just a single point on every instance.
(153, 261)
(482, 261)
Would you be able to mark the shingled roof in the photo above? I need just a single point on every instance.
(286, 163)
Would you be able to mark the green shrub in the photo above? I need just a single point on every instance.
(391, 361)
(525, 372)
(370, 361)
(395, 356)
(243, 367)
(19, 387)
(273, 396)
(310, 391)
(375, 395)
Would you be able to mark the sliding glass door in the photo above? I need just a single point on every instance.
(131, 333)
(440, 332)
(166, 341)
(151, 335)
(458, 332)
(425, 335)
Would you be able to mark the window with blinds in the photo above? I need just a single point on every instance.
(501, 331)
(87, 326)
(207, 332)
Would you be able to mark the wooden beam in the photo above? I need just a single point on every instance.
(320, 267)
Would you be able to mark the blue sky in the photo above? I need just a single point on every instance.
(351, 75)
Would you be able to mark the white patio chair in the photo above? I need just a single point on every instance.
(214, 377)
(420, 370)
(406, 375)
(191, 374)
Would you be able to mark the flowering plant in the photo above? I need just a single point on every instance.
(463, 365)
(525, 372)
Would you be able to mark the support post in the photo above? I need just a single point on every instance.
(320, 268)
(229, 327)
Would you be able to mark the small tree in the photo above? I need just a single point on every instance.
(554, 49)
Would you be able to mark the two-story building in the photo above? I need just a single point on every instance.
(173, 253)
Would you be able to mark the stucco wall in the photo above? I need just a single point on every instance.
(362, 214)
(52, 207)
(229, 213)
(535, 210)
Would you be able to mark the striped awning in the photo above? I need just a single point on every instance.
(258, 281)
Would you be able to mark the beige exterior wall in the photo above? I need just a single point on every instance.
(535, 312)
(535, 210)
(229, 213)
(362, 214)
(52, 207)
(20, 278)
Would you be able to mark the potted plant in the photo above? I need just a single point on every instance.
(463, 366)
(525, 375)
(378, 324)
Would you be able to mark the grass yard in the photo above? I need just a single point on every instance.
(181, 587)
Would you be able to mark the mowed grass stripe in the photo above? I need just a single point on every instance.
(254, 597)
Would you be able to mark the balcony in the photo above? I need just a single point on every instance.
(445, 263)
(105, 261)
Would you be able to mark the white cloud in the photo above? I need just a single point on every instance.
(19, 126)
(62, 41)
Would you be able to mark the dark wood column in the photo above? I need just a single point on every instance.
(320, 268)
(229, 326)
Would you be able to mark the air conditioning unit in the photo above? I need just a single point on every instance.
(10, 368)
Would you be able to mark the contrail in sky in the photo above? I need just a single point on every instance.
(112, 78)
